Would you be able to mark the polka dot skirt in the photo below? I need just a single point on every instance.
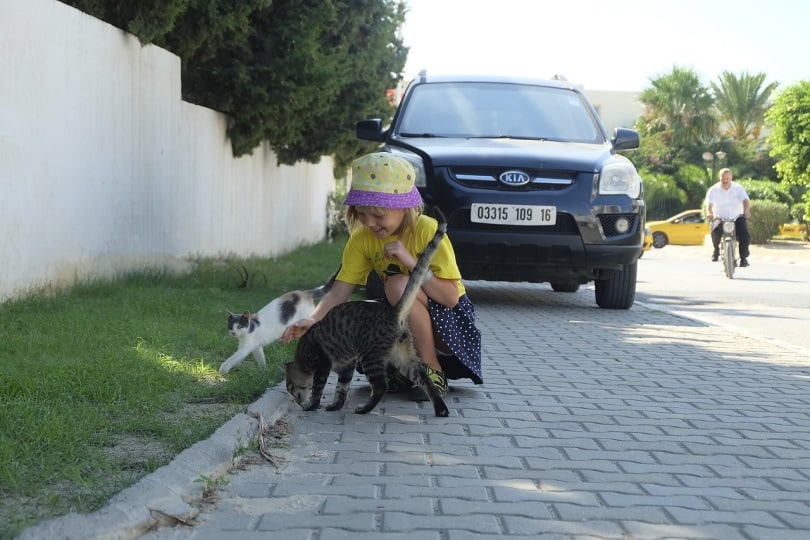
(456, 327)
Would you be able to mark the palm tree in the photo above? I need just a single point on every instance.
(742, 102)
(678, 103)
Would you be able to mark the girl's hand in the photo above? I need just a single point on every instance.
(295, 331)
(396, 250)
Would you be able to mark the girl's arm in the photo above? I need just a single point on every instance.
(339, 293)
(443, 291)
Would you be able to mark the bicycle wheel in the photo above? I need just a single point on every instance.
(728, 258)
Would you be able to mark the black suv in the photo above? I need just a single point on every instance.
(528, 178)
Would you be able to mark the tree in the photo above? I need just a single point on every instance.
(149, 20)
(790, 136)
(295, 73)
(305, 73)
(742, 102)
(676, 126)
(678, 103)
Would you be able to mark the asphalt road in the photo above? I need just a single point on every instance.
(769, 300)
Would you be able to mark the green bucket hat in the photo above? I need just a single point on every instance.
(385, 180)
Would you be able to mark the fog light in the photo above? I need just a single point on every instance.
(622, 225)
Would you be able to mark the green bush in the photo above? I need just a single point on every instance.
(336, 212)
(662, 195)
(766, 217)
(766, 190)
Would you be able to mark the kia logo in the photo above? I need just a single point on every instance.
(514, 178)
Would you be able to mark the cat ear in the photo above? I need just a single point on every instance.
(246, 315)
(228, 314)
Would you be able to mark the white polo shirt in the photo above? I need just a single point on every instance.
(727, 203)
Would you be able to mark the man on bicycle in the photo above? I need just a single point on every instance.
(728, 200)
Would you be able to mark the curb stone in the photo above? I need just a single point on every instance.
(169, 490)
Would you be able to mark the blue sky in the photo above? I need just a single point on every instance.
(610, 45)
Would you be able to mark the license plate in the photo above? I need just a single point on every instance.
(513, 214)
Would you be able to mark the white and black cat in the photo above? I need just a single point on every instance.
(373, 335)
(266, 326)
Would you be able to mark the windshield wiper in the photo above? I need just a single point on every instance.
(516, 137)
(422, 135)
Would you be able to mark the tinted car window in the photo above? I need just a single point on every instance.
(491, 110)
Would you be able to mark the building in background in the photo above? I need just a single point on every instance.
(616, 108)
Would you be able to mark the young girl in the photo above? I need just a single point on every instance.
(388, 231)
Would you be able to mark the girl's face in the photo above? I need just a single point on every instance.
(383, 222)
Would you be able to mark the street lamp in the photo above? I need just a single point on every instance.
(712, 160)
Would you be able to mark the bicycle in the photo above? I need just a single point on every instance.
(728, 244)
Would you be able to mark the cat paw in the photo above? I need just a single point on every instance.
(363, 409)
(442, 412)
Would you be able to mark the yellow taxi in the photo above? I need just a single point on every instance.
(793, 230)
(689, 228)
(647, 239)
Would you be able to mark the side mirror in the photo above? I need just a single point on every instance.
(370, 130)
(625, 139)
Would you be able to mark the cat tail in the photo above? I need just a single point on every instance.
(319, 292)
(421, 271)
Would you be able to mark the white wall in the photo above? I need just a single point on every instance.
(103, 167)
(616, 109)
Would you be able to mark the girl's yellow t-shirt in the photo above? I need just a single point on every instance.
(364, 252)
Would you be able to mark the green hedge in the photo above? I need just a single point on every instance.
(766, 217)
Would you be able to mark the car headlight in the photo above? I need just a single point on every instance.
(619, 177)
(415, 160)
(728, 226)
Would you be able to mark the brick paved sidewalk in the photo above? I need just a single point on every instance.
(591, 424)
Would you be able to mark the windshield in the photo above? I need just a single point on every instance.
(494, 110)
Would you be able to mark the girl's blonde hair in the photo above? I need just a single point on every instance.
(408, 222)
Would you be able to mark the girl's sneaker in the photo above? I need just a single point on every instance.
(439, 381)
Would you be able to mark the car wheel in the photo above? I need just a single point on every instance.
(565, 287)
(659, 240)
(619, 290)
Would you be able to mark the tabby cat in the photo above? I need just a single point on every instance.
(256, 331)
(373, 335)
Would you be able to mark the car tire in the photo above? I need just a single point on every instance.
(659, 240)
(565, 287)
(619, 290)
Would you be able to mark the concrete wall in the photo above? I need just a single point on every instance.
(104, 169)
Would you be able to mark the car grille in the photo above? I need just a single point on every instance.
(487, 178)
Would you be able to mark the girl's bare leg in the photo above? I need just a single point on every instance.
(419, 320)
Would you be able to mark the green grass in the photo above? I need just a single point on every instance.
(103, 383)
